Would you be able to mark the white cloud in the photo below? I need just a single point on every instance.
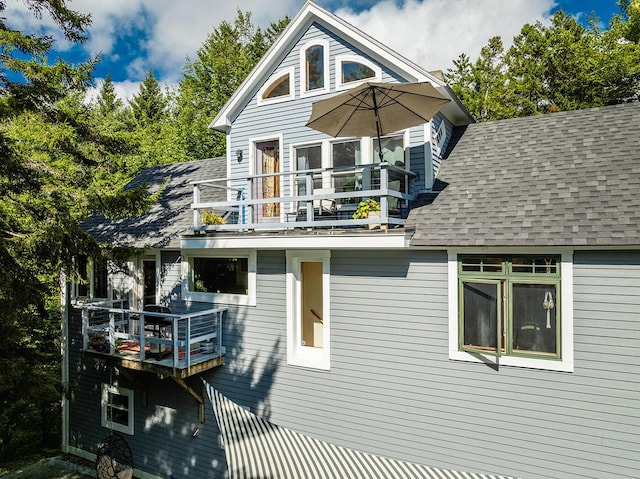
(123, 89)
(430, 32)
(433, 33)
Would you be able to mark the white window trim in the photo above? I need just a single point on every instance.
(355, 58)
(274, 78)
(565, 364)
(429, 172)
(222, 298)
(298, 355)
(442, 129)
(110, 388)
(303, 69)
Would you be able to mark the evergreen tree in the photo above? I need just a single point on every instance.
(148, 105)
(563, 66)
(108, 102)
(57, 168)
(223, 62)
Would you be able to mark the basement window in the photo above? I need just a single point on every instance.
(117, 408)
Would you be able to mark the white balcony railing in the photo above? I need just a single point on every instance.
(171, 340)
(315, 198)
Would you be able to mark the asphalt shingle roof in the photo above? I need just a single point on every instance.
(172, 216)
(561, 179)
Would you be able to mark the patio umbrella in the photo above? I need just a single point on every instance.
(376, 109)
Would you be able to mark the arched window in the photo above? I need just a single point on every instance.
(354, 69)
(314, 65)
(278, 89)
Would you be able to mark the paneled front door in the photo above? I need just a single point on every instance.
(268, 162)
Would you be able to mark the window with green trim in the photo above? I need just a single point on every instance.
(509, 305)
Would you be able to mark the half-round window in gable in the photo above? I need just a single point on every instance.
(352, 70)
(355, 71)
(281, 87)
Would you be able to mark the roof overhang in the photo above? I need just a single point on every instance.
(334, 240)
(309, 14)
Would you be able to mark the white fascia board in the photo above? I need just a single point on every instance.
(326, 241)
(223, 120)
(312, 12)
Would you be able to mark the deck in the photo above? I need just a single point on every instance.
(306, 199)
(178, 341)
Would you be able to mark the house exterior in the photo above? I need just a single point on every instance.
(488, 325)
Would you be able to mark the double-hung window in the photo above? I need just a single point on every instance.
(509, 307)
(345, 159)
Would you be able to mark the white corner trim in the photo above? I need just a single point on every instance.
(566, 364)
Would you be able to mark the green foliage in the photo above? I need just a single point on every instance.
(148, 105)
(208, 217)
(563, 66)
(223, 62)
(61, 161)
(365, 207)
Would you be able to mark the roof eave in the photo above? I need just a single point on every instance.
(311, 12)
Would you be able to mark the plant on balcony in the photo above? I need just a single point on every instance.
(98, 342)
(211, 218)
(365, 207)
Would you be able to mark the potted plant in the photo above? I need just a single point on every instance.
(368, 208)
(98, 342)
(211, 218)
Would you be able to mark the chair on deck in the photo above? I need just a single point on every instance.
(321, 207)
(392, 201)
(158, 326)
(325, 206)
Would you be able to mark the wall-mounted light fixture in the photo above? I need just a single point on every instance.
(239, 155)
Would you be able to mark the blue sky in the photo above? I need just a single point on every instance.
(133, 36)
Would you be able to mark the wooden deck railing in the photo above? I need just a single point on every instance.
(315, 198)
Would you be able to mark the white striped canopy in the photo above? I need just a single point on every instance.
(257, 449)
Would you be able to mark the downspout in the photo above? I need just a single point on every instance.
(64, 349)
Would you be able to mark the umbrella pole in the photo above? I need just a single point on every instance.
(375, 111)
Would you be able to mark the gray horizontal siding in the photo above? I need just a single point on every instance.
(170, 276)
(289, 117)
(392, 390)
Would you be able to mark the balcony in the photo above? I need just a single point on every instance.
(178, 341)
(306, 199)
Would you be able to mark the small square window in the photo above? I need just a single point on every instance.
(117, 408)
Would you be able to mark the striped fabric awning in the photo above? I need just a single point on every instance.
(258, 449)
